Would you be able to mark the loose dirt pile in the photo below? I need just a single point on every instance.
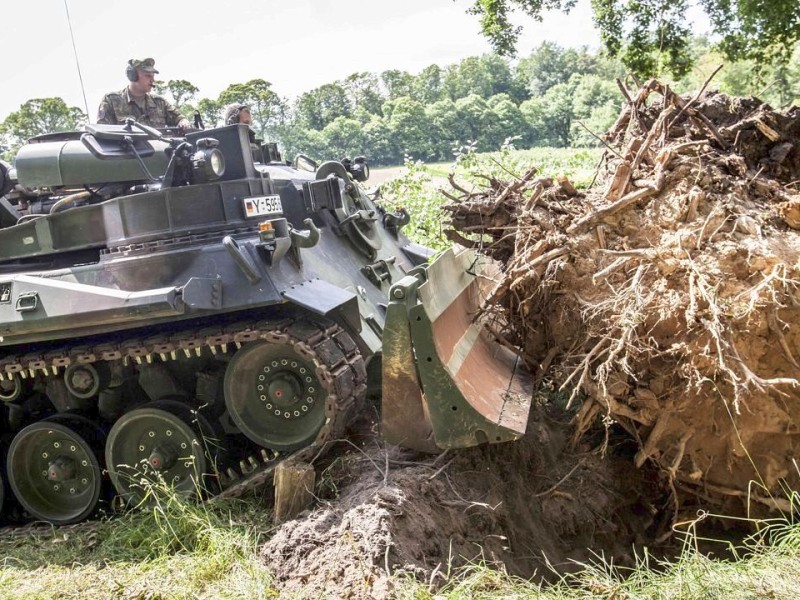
(529, 507)
(666, 298)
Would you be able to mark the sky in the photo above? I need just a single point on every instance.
(296, 45)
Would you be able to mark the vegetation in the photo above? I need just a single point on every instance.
(180, 549)
(35, 117)
(653, 37)
(173, 549)
(552, 97)
(418, 187)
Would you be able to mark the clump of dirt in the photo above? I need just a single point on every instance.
(529, 507)
(666, 298)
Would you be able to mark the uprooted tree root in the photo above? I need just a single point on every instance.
(666, 298)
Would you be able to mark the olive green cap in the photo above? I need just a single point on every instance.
(146, 64)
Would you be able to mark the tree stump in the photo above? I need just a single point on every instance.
(294, 489)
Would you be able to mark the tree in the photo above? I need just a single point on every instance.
(447, 128)
(510, 121)
(485, 76)
(596, 104)
(428, 85)
(378, 143)
(323, 105)
(266, 107)
(363, 92)
(408, 126)
(179, 92)
(550, 116)
(397, 83)
(211, 111)
(38, 116)
(550, 64)
(652, 36)
(344, 138)
(481, 124)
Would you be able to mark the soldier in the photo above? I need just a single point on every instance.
(238, 113)
(135, 101)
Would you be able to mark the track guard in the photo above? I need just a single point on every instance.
(446, 382)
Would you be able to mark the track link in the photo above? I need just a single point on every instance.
(339, 366)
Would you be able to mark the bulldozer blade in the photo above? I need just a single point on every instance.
(447, 382)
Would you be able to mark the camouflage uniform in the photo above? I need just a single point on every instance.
(156, 112)
(149, 109)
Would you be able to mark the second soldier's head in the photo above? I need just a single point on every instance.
(238, 113)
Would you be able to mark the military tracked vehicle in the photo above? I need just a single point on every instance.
(193, 310)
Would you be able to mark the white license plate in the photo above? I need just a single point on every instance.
(258, 206)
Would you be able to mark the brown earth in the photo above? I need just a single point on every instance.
(529, 507)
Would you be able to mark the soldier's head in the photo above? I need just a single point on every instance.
(238, 113)
(141, 74)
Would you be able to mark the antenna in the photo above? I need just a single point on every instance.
(77, 62)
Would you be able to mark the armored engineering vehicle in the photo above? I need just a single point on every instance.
(194, 310)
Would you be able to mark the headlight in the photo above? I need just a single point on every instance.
(217, 162)
(208, 163)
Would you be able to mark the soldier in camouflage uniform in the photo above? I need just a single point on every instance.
(137, 102)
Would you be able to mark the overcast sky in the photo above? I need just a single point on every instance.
(295, 44)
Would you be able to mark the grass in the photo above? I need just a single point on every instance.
(765, 571)
(175, 548)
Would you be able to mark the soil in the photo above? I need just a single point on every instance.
(533, 508)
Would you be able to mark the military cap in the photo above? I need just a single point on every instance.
(146, 64)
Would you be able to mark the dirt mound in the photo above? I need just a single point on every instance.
(523, 506)
(666, 298)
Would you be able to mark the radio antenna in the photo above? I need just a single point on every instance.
(77, 62)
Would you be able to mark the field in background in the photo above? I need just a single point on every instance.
(577, 163)
(416, 186)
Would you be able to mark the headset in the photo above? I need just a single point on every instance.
(131, 72)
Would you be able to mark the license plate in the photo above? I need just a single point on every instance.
(258, 206)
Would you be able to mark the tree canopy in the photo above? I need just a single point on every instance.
(38, 116)
(554, 96)
(653, 36)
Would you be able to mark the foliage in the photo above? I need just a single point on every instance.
(35, 117)
(179, 549)
(211, 111)
(777, 84)
(763, 566)
(413, 191)
(417, 188)
(323, 105)
(172, 547)
(482, 99)
(180, 93)
(266, 107)
(652, 37)
(562, 97)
